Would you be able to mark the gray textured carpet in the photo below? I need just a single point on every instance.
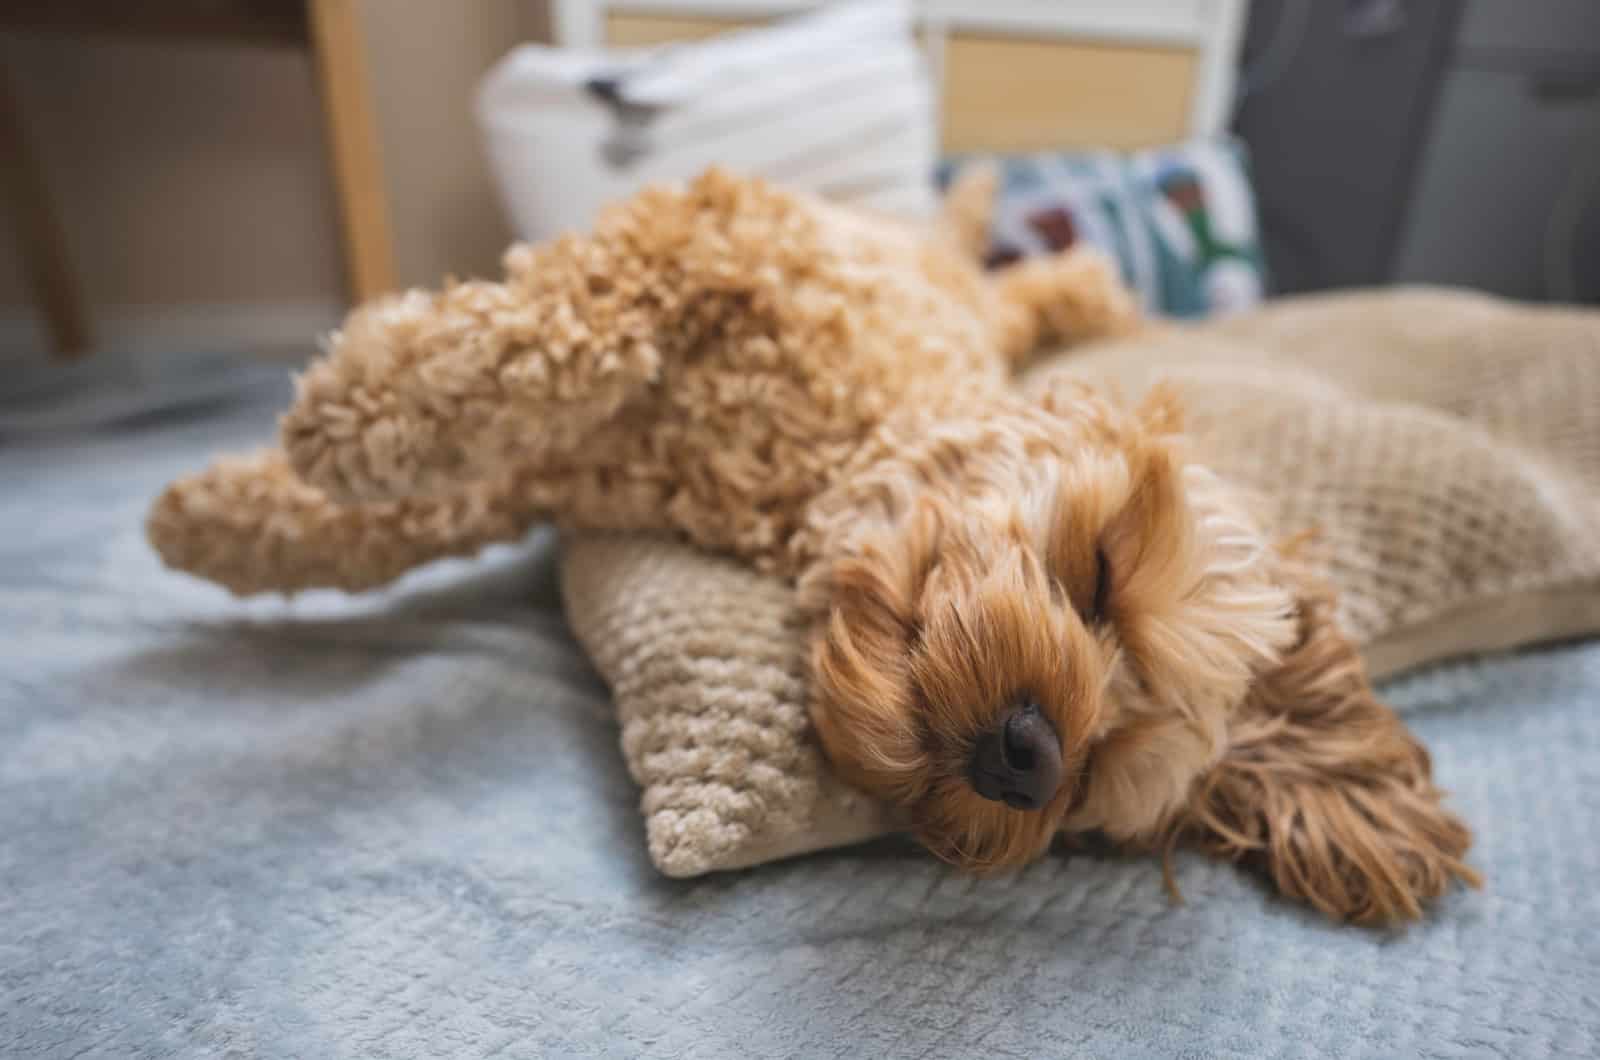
(401, 827)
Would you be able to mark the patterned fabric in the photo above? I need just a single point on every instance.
(1180, 220)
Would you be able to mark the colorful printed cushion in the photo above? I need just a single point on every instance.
(1180, 219)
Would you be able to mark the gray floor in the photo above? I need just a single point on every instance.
(400, 827)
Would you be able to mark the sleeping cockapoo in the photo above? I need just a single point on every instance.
(1031, 615)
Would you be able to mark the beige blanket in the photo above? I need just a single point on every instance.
(1446, 447)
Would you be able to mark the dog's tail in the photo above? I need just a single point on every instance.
(967, 209)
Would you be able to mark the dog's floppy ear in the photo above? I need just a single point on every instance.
(864, 604)
(1324, 789)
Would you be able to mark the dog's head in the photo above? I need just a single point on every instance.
(1034, 610)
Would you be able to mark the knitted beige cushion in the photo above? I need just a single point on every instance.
(1445, 445)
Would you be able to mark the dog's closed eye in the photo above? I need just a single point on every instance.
(1101, 597)
(1088, 588)
(1091, 599)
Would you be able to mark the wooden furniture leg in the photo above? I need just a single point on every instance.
(44, 246)
(338, 44)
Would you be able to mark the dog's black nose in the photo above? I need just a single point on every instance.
(1018, 762)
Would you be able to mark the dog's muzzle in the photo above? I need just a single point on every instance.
(1018, 762)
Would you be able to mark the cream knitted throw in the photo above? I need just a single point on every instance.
(1445, 445)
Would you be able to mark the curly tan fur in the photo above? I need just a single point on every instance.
(826, 395)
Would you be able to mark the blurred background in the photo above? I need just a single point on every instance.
(191, 187)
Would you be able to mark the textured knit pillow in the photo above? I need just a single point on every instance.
(1446, 445)
(1180, 219)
